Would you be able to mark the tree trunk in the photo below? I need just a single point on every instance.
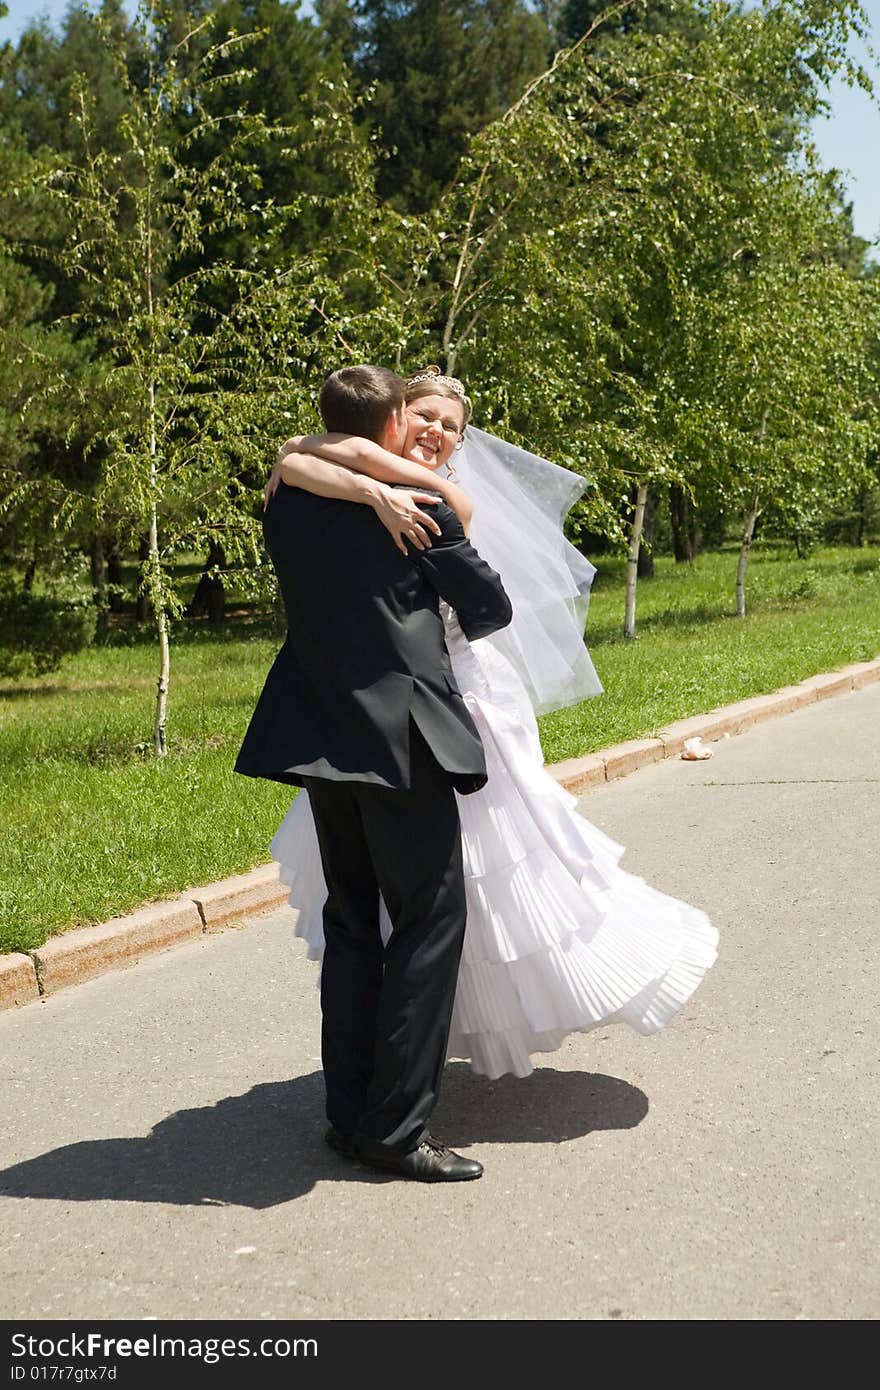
(160, 745)
(681, 515)
(649, 526)
(114, 576)
(632, 568)
(210, 593)
(157, 588)
(27, 582)
(742, 565)
(862, 516)
(98, 566)
(142, 602)
(751, 518)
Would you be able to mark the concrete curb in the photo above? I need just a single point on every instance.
(18, 980)
(579, 774)
(83, 952)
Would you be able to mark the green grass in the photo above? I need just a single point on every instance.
(692, 653)
(91, 825)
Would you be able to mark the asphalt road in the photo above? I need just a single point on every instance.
(161, 1153)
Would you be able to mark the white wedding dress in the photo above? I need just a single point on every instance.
(559, 938)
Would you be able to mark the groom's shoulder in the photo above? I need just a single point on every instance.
(301, 524)
(289, 505)
(286, 499)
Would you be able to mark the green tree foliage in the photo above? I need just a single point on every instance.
(185, 385)
(38, 354)
(609, 219)
(439, 71)
(37, 75)
(781, 418)
(37, 82)
(592, 228)
(572, 18)
(296, 85)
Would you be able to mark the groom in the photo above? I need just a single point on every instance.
(362, 709)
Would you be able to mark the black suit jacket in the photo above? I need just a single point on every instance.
(365, 647)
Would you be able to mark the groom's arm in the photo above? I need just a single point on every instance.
(461, 576)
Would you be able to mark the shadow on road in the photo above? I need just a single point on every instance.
(264, 1148)
(548, 1107)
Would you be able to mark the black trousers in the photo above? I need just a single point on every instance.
(386, 1011)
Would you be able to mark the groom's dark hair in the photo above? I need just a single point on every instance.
(359, 400)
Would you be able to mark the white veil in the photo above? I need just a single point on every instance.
(520, 502)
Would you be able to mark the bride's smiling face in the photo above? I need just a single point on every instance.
(433, 428)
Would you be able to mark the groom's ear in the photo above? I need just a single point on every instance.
(395, 428)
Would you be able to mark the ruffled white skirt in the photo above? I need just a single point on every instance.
(559, 938)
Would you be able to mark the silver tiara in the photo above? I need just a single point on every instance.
(434, 375)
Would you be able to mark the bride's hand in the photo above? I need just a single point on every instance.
(399, 511)
(272, 485)
(275, 477)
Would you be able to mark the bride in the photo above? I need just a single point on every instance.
(559, 938)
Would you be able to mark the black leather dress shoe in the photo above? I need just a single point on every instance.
(430, 1162)
(341, 1143)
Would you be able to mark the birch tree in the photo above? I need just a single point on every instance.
(193, 348)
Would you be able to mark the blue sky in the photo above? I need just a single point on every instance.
(848, 140)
